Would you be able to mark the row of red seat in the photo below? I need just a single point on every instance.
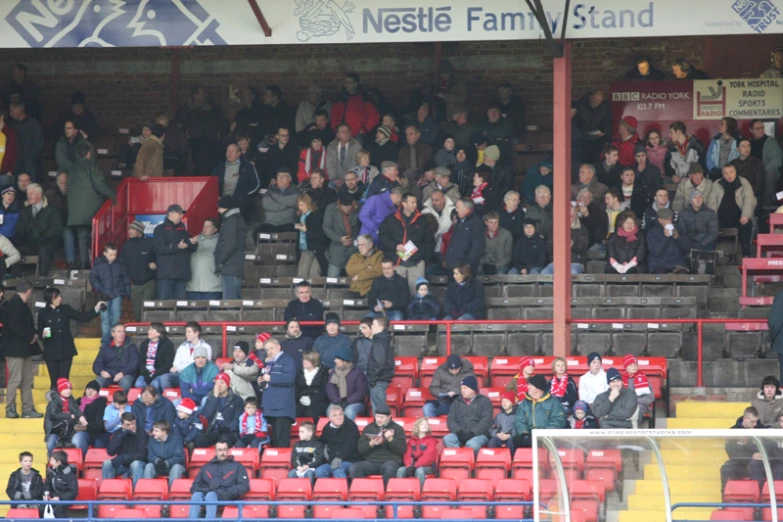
(747, 492)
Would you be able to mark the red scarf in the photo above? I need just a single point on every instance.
(629, 236)
(258, 425)
(320, 159)
(579, 424)
(478, 193)
(65, 404)
(557, 387)
(256, 360)
(521, 387)
(640, 381)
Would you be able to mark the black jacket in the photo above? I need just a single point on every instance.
(467, 298)
(340, 443)
(62, 482)
(316, 390)
(623, 251)
(295, 348)
(230, 250)
(395, 290)
(15, 491)
(398, 230)
(588, 118)
(653, 75)
(276, 159)
(514, 222)
(380, 153)
(45, 228)
(126, 446)
(387, 451)
(173, 262)
(18, 328)
(60, 345)
(639, 199)
(743, 449)
(247, 185)
(317, 241)
(164, 358)
(467, 242)
(381, 365)
(94, 415)
(227, 479)
(307, 452)
(312, 310)
(529, 252)
(322, 197)
(136, 255)
(610, 177)
(110, 279)
(55, 419)
(231, 411)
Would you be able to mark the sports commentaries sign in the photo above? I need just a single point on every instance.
(739, 99)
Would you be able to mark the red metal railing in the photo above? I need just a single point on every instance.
(699, 323)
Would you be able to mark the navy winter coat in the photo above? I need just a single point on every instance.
(227, 479)
(384, 289)
(312, 310)
(423, 308)
(126, 446)
(162, 410)
(110, 279)
(666, 252)
(173, 262)
(467, 242)
(327, 346)
(114, 360)
(529, 252)
(231, 411)
(171, 450)
(279, 398)
(467, 298)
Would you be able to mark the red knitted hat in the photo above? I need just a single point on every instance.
(223, 376)
(187, 406)
(263, 337)
(63, 384)
(629, 360)
(525, 362)
(510, 395)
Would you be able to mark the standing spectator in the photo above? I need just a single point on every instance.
(138, 256)
(149, 161)
(669, 245)
(204, 125)
(57, 196)
(423, 120)
(363, 267)
(626, 141)
(341, 226)
(230, 251)
(342, 154)
(459, 127)
(562, 386)
(484, 195)
(388, 180)
(173, 247)
(276, 112)
(750, 168)
(279, 397)
(84, 118)
(152, 407)
(252, 426)
(502, 175)
(39, 229)
(745, 459)
(617, 407)
(380, 368)
(644, 71)
(306, 110)
(221, 479)
(537, 410)
(451, 91)
(638, 382)
(503, 427)
(238, 179)
(110, 279)
(496, 259)
(700, 223)
(19, 87)
(283, 155)
(381, 447)
(362, 344)
(589, 181)
(723, 147)
(513, 109)
(197, 379)
(540, 174)
(470, 418)
(222, 409)
(377, 208)
(647, 174)
(634, 195)
(54, 328)
(421, 455)
(594, 382)
(117, 361)
(250, 153)
(295, 343)
(88, 190)
(352, 187)
(354, 108)
(305, 308)
(347, 385)
(660, 202)
(29, 139)
(205, 282)
(242, 370)
(307, 453)
(313, 243)
(608, 170)
(464, 297)
(415, 153)
(62, 417)
(165, 454)
(737, 207)
(462, 172)
(769, 401)
(65, 150)
(593, 117)
(626, 247)
(423, 306)
(279, 204)
(156, 357)
(685, 151)
(128, 446)
(445, 385)
(467, 241)
(25, 483)
(441, 208)
(176, 150)
(332, 341)
(383, 148)
(62, 483)
(311, 382)
(20, 343)
(340, 438)
(768, 150)
(388, 295)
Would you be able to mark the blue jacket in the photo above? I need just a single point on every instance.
(196, 384)
(171, 450)
(666, 252)
(10, 217)
(247, 185)
(114, 360)
(375, 210)
(110, 279)
(162, 410)
(188, 428)
(327, 347)
(234, 407)
(279, 398)
(111, 417)
(713, 154)
(467, 243)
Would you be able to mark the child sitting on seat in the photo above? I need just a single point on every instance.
(188, 424)
(252, 426)
(639, 384)
(423, 306)
(502, 433)
(307, 453)
(582, 419)
(421, 456)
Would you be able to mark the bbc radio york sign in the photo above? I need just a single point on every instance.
(141, 23)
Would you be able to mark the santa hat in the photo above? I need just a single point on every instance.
(263, 337)
(187, 406)
(525, 362)
(63, 384)
(629, 360)
(223, 376)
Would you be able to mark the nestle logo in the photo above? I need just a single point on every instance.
(758, 14)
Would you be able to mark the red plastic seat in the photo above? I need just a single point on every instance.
(741, 491)
(88, 490)
(394, 400)
(180, 489)
(495, 395)
(353, 513)
(731, 514)
(480, 367)
(402, 489)
(133, 394)
(109, 393)
(275, 464)
(587, 498)
(295, 428)
(172, 394)
(75, 457)
(151, 489)
(261, 489)
(406, 372)
(293, 489)
(522, 465)
(14, 513)
(437, 490)
(249, 512)
(406, 423)
(765, 490)
(328, 489)
(439, 426)
(248, 457)
(220, 361)
(493, 464)
(603, 466)
(456, 463)
(459, 514)
(363, 422)
(367, 490)
(93, 463)
(572, 458)
(511, 490)
(502, 370)
(199, 458)
(475, 490)
(113, 489)
(766, 514)
(322, 421)
(415, 398)
(129, 514)
(427, 370)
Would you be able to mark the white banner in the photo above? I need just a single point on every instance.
(141, 23)
(742, 99)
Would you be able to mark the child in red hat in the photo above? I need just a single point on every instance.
(502, 433)
(638, 382)
(518, 384)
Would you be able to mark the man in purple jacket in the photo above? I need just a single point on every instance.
(117, 361)
(347, 386)
(377, 208)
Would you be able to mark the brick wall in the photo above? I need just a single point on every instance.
(127, 86)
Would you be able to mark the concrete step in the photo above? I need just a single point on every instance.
(656, 503)
(658, 516)
(702, 409)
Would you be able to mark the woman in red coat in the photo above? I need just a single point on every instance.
(422, 453)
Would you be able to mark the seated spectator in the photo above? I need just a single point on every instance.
(723, 147)
(447, 155)
(222, 409)
(341, 153)
(669, 245)
(188, 424)
(110, 279)
(685, 152)
(62, 418)
(626, 247)
(279, 204)
(751, 168)
(9, 212)
(529, 252)
(421, 455)
(737, 207)
(221, 479)
(512, 215)
(657, 149)
(377, 208)
(152, 407)
(419, 180)
(617, 407)
(117, 361)
(646, 173)
(248, 151)
(594, 382)
(634, 196)
(39, 229)
(165, 454)
(65, 149)
(197, 379)
(380, 367)
(282, 156)
(340, 438)
(23, 180)
(252, 426)
(363, 267)
(184, 355)
(415, 153)
(364, 171)
(389, 293)
(313, 243)
(347, 385)
(700, 223)
(445, 385)
(423, 306)
(769, 401)
(321, 195)
(381, 447)
(660, 201)
(383, 149)
(362, 345)
(458, 126)
(626, 141)
(311, 382)
(593, 218)
(580, 243)
(341, 226)
(464, 299)
(352, 188)
(540, 212)
(312, 157)
(589, 181)
(62, 482)
(305, 308)
(128, 446)
(238, 178)
(608, 170)
(93, 406)
(496, 259)
(156, 357)
(638, 382)
(470, 418)
(328, 343)
(242, 370)
(745, 459)
(537, 410)
(582, 419)
(503, 428)
(462, 172)
(307, 454)
(112, 414)
(26, 483)
(683, 70)
(644, 71)
(518, 384)
(536, 176)
(149, 160)
(562, 386)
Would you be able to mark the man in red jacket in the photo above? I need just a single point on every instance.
(355, 109)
